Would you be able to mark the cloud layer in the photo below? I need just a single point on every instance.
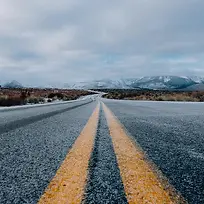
(51, 42)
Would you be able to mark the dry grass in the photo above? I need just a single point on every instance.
(150, 95)
(11, 97)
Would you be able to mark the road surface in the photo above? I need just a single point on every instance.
(103, 151)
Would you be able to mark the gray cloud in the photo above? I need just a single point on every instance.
(44, 42)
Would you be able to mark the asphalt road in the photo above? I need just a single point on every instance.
(172, 136)
(104, 184)
(31, 150)
(35, 141)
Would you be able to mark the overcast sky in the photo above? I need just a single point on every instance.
(48, 42)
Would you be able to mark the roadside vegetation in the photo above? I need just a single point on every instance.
(154, 95)
(13, 97)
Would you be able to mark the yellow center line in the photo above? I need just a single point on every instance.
(69, 182)
(141, 182)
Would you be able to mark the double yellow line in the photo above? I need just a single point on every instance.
(140, 180)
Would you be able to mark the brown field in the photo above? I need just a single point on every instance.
(11, 97)
(152, 95)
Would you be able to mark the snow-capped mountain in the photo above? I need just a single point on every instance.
(99, 84)
(164, 82)
(199, 80)
(154, 82)
(13, 84)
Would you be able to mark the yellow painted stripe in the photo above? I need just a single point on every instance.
(68, 185)
(141, 182)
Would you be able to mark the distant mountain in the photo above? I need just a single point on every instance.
(164, 82)
(196, 87)
(13, 84)
(99, 84)
(199, 80)
(155, 82)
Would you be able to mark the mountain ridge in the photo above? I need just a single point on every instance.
(151, 82)
(154, 82)
(13, 84)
